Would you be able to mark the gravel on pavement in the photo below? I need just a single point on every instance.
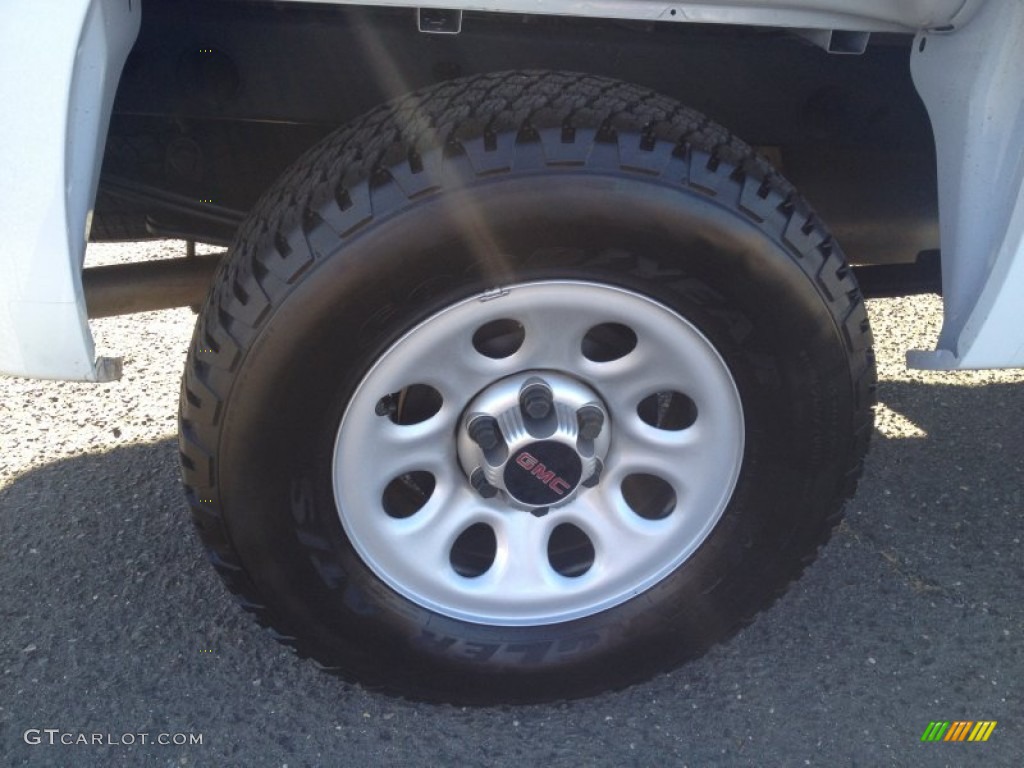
(112, 622)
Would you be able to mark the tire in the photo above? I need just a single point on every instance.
(523, 387)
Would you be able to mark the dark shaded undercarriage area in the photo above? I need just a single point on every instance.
(218, 98)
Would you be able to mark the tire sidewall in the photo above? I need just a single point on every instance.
(725, 273)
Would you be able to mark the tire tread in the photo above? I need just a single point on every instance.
(486, 125)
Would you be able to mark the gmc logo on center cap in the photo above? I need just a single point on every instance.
(547, 476)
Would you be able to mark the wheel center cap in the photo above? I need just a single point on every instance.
(535, 438)
(543, 473)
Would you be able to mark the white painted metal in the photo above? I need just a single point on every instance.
(972, 83)
(861, 15)
(60, 61)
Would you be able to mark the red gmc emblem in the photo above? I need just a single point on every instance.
(546, 476)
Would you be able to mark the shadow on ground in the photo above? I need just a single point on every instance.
(113, 623)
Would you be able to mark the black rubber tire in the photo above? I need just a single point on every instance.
(402, 213)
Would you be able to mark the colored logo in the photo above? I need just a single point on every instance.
(543, 474)
(958, 730)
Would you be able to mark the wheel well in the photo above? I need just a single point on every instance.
(217, 99)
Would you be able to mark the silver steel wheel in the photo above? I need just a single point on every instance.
(548, 490)
(663, 462)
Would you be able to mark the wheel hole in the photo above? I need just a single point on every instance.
(474, 551)
(412, 405)
(667, 410)
(570, 551)
(499, 338)
(406, 494)
(649, 496)
(608, 341)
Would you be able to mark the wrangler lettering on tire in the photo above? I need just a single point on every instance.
(496, 274)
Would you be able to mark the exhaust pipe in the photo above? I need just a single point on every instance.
(126, 288)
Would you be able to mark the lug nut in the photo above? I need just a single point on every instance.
(485, 432)
(535, 398)
(479, 482)
(590, 419)
(595, 478)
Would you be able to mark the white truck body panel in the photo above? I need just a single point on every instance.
(972, 83)
(861, 15)
(61, 61)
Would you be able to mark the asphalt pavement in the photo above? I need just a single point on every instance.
(113, 625)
